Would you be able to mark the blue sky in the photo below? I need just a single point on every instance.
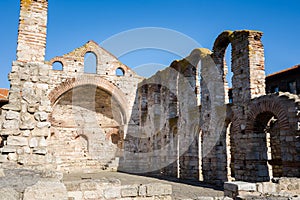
(71, 23)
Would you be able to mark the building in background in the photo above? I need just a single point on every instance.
(287, 80)
(3, 97)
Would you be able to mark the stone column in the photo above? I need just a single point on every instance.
(25, 128)
(248, 82)
(32, 31)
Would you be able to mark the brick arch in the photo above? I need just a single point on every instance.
(222, 42)
(277, 105)
(219, 48)
(283, 107)
(57, 59)
(90, 80)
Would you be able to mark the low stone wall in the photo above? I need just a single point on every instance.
(283, 188)
(22, 184)
(112, 189)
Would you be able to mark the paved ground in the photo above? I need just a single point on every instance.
(181, 190)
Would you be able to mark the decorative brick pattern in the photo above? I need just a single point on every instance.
(32, 31)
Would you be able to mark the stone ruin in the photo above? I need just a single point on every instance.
(177, 123)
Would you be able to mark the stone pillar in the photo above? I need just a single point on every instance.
(26, 129)
(213, 115)
(248, 68)
(32, 31)
(248, 82)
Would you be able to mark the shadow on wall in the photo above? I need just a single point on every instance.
(163, 133)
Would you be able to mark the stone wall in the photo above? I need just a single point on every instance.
(112, 189)
(164, 137)
(95, 107)
(166, 103)
(26, 114)
(25, 184)
(281, 188)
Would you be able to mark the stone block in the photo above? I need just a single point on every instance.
(3, 158)
(91, 195)
(158, 189)
(10, 115)
(43, 125)
(46, 190)
(12, 106)
(20, 151)
(31, 108)
(42, 142)
(27, 120)
(9, 132)
(73, 185)
(9, 193)
(130, 191)
(268, 187)
(110, 193)
(41, 116)
(75, 195)
(88, 185)
(29, 96)
(39, 132)
(10, 124)
(17, 141)
(239, 186)
(142, 190)
(12, 157)
(26, 133)
(27, 150)
(33, 142)
(9, 149)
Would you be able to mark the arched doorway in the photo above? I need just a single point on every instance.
(266, 126)
(271, 141)
(87, 127)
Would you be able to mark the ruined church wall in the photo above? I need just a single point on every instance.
(167, 139)
(26, 129)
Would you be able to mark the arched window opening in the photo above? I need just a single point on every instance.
(57, 65)
(198, 82)
(120, 72)
(267, 123)
(90, 63)
(228, 73)
(82, 144)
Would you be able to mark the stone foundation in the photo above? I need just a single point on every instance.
(24, 184)
(280, 188)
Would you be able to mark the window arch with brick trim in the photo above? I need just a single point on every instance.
(90, 80)
(271, 128)
(120, 71)
(90, 62)
(57, 65)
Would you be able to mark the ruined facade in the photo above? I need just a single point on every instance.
(178, 122)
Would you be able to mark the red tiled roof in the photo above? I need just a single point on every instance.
(3, 94)
(283, 71)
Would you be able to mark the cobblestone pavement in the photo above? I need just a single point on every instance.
(181, 189)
